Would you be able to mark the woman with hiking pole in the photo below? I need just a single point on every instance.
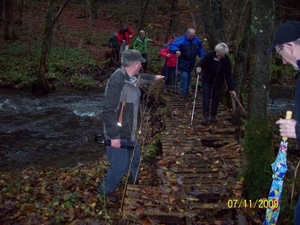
(215, 67)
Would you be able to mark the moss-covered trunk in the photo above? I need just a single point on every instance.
(258, 139)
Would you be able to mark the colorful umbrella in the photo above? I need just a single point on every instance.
(279, 169)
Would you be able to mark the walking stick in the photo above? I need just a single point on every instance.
(196, 90)
(241, 106)
(238, 102)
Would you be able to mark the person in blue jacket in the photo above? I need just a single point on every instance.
(186, 48)
(286, 43)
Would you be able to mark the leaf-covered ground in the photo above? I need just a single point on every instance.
(69, 195)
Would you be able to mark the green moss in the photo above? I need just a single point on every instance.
(259, 157)
(151, 151)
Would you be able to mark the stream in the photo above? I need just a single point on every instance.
(58, 129)
(55, 130)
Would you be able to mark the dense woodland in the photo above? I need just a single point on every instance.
(85, 25)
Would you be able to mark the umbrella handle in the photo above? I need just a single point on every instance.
(288, 116)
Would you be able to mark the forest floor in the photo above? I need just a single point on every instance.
(68, 195)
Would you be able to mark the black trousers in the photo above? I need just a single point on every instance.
(211, 93)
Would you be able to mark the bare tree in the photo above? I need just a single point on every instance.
(173, 24)
(9, 33)
(212, 20)
(241, 48)
(20, 15)
(41, 85)
(1, 11)
(144, 9)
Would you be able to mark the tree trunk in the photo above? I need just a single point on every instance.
(20, 16)
(261, 31)
(1, 12)
(173, 23)
(242, 57)
(213, 22)
(41, 85)
(141, 23)
(258, 137)
(9, 33)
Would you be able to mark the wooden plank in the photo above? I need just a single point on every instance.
(203, 157)
(219, 205)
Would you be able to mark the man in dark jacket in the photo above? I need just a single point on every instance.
(120, 117)
(216, 68)
(286, 43)
(187, 47)
(113, 43)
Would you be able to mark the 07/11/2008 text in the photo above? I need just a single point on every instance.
(262, 203)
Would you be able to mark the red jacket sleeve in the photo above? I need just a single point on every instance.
(163, 52)
(131, 32)
(120, 38)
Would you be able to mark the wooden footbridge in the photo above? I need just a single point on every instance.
(198, 171)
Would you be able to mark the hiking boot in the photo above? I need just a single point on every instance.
(204, 120)
(214, 119)
(175, 92)
(109, 197)
(188, 95)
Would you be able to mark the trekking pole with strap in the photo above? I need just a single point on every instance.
(194, 103)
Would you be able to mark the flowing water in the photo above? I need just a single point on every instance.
(280, 106)
(58, 129)
(53, 130)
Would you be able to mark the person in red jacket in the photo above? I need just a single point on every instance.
(170, 65)
(124, 35)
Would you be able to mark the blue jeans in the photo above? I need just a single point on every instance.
(185, 82)
(212, 92)
(119, 159)
(167, 72)
(297, 213)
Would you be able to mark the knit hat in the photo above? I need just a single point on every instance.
(286, 32)
(132, 55)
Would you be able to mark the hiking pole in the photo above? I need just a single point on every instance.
(135, 176)
(198, 74)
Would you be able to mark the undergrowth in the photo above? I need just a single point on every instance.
(19, 63)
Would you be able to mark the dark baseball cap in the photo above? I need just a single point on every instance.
(286, 32)
(132, 55)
